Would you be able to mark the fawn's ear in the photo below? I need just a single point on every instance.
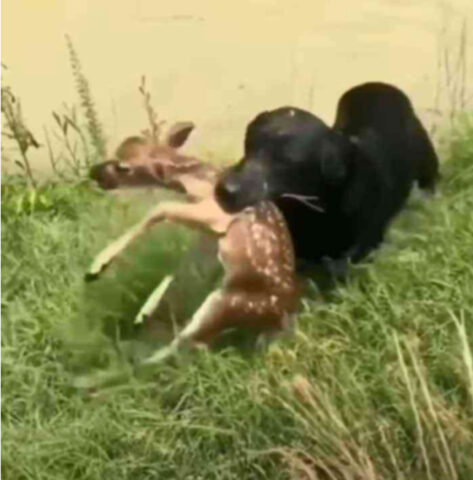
(129, 148)
(178, 134)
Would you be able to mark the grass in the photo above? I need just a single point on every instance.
(377, 382)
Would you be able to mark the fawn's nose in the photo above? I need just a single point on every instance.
(100, 173)
(95, 172)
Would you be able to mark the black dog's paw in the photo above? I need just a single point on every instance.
(337, 268)
(306, 267)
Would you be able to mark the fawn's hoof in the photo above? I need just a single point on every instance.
(91, 277)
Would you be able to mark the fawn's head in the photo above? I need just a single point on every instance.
(143, 162)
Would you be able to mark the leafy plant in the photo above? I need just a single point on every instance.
(94, 127)
(74, 156)
(16, 129)
(154, 130)
(452, 96)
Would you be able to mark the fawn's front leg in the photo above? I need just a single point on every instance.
(203, 215)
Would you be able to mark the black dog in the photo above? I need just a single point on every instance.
(361, 171)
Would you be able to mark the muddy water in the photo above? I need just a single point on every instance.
(218, 62)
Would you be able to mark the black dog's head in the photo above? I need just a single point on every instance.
(287, 151)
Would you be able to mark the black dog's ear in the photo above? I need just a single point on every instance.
(337, 155)
(333, 162)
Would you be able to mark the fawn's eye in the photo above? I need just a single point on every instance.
(123, 167)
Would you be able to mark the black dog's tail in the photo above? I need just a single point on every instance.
(427, 162)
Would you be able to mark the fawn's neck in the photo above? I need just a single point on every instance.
(199, 185)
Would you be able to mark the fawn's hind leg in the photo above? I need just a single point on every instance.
(206, 323)
(222, 310)
(266, 338)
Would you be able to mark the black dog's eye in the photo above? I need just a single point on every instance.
(285, 151)
(277, 147)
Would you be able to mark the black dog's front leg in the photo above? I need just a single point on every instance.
(337, 268)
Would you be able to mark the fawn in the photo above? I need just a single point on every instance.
(259, 289)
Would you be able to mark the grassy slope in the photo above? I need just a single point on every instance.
(375, 384)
